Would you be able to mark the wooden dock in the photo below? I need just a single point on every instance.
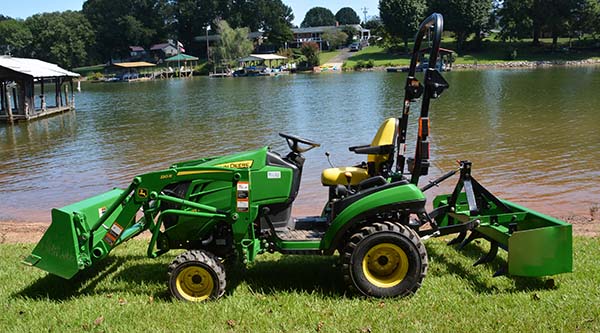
(19, 100)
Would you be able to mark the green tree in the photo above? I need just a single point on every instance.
(61, 37)
(585, 17)
(311, 51)
(515, 20)
(334, 37)
(15, 38)
(318, 16)
(191, 18)
(347, 15)
(233, 43)
(120, 24)
(401, 18)
(278, 33)
(463, 17)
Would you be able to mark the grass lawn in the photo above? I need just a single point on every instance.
(492, 51)
(380, 57)
(127, 292)
(87, 70)
(325, 56)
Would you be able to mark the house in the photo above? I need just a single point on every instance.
(314, 34)
(137, 52)
(163, 51)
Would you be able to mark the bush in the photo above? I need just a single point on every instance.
(311, 51)
(95, 76)
(511, 53)
(370, 63)
(359, 65)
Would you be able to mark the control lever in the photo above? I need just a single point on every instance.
(328, 160)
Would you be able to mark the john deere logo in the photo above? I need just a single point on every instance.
(142, 192)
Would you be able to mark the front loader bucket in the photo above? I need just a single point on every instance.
(537, 244)
(65, 248)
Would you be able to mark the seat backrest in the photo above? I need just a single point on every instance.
(386, 135)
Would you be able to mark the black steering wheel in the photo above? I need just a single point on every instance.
(293, 142)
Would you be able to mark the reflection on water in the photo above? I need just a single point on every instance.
(532, 135)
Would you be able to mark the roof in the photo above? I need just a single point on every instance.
(310, 30)
(136, 48)
(133, 64)
(181, 57)
(443, 51)
(160, 46)
(34, 67)
(258, 57)
(217, 37)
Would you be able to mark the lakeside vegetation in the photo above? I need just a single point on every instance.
(494, 52)
(127, 292)
(103, 30)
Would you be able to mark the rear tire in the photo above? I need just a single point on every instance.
(384, 259)
(196, 276)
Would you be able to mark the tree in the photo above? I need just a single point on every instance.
(311, 51)
(463, 17)
(15, 38)
(350, 32)
(61, 37)
(191, 18)
(276, 21)
(334, 37)
(401, 18)
(120, 24)
(584, 18)
(279, 33)
(347, 15)
(233, 43)
(515, 20)
(318, 16)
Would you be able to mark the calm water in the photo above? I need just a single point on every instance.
(533, 135)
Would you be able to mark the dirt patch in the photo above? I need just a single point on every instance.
(583, 225)
(31, 232)
(21, 232)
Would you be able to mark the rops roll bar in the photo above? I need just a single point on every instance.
(434, 86)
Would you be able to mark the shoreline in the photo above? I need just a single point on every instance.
(516, 64)
(14, 232)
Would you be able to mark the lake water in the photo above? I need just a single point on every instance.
(533, 135)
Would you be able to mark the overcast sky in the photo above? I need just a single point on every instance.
(26, 8)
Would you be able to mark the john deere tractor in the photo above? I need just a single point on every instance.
(233, 208)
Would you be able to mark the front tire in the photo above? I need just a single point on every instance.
(196, 276)
(384, 259)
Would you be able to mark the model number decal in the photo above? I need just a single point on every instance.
(274, 175)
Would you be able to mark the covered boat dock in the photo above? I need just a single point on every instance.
(19, 98)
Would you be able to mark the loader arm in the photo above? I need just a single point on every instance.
(85, 232)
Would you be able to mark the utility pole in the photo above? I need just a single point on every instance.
(365, 10)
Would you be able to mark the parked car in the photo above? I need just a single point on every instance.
(355, 47)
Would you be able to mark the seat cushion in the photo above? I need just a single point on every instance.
(337, 176)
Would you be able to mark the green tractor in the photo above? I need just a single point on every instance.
(233, 208)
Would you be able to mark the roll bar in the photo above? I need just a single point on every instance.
(434, 86)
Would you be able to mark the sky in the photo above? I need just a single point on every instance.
(25, 8)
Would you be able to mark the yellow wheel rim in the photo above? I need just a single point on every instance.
(385, 265)
(194, 283)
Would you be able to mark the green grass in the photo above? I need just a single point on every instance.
(492, 51)
(380, 57)
(127, 292)
(325, 56)
(87, 70)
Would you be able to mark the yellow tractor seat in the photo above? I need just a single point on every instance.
(380, 156)
(339, 176)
